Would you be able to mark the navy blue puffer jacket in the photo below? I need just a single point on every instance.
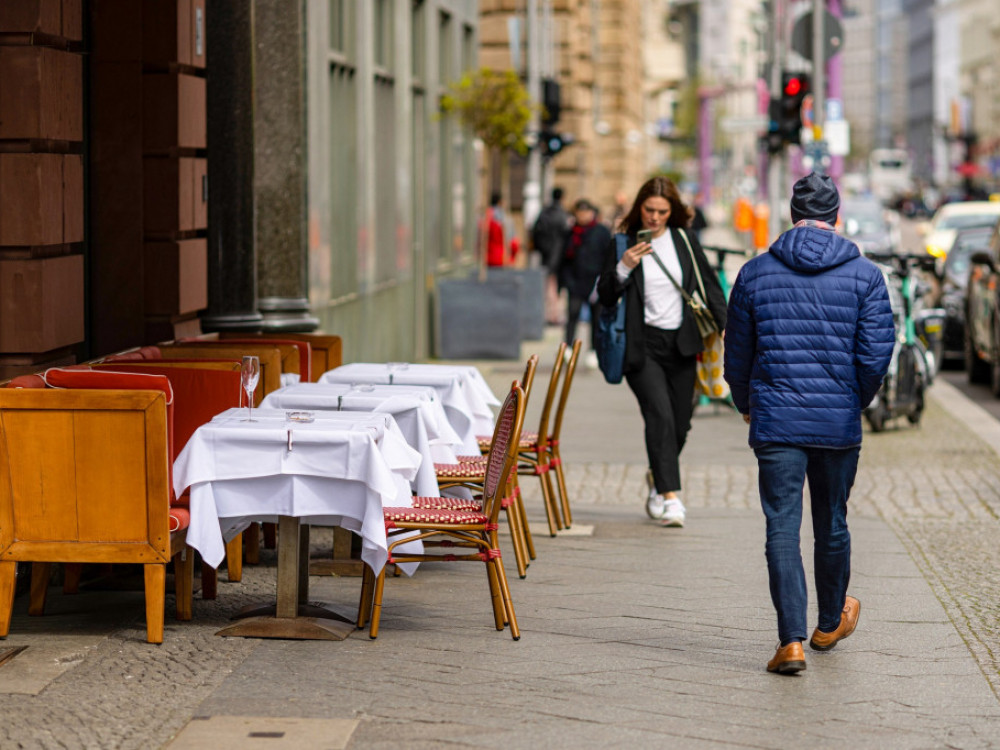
(808, 340)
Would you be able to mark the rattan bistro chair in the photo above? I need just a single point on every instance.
(472, 530)
(470, 473)
(534, 455)
(555, 457)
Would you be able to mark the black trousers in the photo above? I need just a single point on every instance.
(664, 388)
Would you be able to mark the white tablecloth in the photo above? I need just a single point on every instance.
(342, 469)
(418, 413)
(463, 391)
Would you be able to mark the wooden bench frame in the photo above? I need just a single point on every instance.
(61, 500)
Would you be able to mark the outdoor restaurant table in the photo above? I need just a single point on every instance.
(416, 409)
(463, 391)
(340, 469)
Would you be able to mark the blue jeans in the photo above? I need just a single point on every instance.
(783, 470)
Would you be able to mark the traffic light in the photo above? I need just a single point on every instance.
(794, 88)
(551, 102)
(551, 142)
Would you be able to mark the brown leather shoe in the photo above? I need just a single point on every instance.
(788, 659)
(821, 641)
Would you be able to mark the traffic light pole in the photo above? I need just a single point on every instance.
(533, 183)
(776, 163)
(819, 71)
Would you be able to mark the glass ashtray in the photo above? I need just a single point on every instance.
(364, 387)
(299, 416)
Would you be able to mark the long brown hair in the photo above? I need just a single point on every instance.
(680, 215)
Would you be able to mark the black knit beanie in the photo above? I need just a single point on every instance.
(815, 197)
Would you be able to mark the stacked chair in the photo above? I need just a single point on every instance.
(473, 530)
(538, 452)
(470, 473)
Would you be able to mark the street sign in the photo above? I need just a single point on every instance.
(802, 35)
(838, 137)
(807, 112)
(834, 110)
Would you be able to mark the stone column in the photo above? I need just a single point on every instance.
(280, 169)
(232, 257)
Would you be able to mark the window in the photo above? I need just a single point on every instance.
(383, 34)
(418, 43)
(338, 26)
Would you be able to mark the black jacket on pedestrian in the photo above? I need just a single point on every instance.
(549, 234)
(583, 259)
(689, 341)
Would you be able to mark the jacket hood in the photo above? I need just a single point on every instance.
(813, 250)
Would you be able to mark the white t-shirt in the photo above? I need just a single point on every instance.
(663, 306)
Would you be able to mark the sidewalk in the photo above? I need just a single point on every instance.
(632, 634)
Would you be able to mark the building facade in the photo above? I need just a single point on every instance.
(393, 195)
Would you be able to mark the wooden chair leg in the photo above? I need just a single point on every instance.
(184, 582)
(71, 577)
(377, 605)
(495, 596)
(549, 516)
(508, 604)
(367, 591)
(251, 544)
(557, 467)
(517, 538)
(529, 541)
(551, 512)
(41, 572)
(234, 559)
(209, 582)
(550, 493)
(270, 535)
(156, 580)
(8, 584)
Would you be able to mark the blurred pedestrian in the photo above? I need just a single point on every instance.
(548, 236)
(661, 335)
(495, 231)
(581, 263)
(809, 339)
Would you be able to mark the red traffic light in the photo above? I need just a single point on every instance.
(793, 86)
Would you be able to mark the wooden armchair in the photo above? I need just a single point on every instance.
(327, 351)
(87, 479)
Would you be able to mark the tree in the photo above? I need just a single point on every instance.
(497, 108)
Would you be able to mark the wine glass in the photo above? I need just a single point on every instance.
(249, 375)
(394, 367)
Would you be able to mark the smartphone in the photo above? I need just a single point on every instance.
(644, 235)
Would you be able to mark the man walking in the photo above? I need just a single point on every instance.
(808, 340)
(548, 236)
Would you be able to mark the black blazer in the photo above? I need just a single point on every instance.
(689, 341)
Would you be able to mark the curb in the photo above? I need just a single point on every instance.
(962, 408)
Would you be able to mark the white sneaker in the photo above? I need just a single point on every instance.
(673, 513)
(590, 360)
(655, 503)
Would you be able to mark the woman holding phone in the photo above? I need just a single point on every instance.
(661, 335)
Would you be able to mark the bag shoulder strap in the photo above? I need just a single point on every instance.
(621, 242)
(694, 262)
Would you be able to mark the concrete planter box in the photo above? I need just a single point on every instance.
(532, 307)
(479, 320)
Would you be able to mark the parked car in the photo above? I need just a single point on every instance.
(982, 316)
(939, 234)
(954, 286)
(866, 222)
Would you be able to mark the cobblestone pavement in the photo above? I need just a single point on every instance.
(632, 635)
